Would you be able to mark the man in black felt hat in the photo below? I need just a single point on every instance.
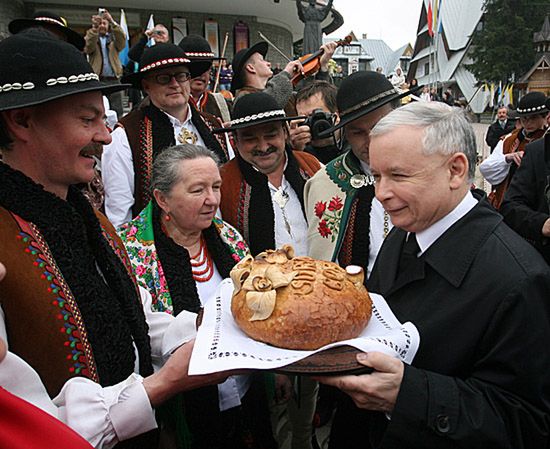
(262, 196)
(197, 48)
(69, 306)
(526, 205)
(165, 119)
(347, 224)
(52, 22)
(499, 168)
(252, 73)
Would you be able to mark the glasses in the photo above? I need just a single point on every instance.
(165, 78)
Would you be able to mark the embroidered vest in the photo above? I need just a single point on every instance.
(43, 322)
(139, 130)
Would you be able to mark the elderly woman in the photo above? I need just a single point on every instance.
(180, 252)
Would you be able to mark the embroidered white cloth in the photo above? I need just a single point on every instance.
(221, 345)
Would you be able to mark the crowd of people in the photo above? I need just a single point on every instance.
(113, 240)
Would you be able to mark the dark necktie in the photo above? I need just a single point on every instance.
(409, 254)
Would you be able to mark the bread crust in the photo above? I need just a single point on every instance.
(322, 303)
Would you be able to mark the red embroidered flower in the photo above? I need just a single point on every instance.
(335, 204)
(320, 208)
(324, 230)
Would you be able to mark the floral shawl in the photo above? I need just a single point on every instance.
(138, 238)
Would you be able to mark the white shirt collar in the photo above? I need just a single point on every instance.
(365, 167)
(428, 236)
(175, 122)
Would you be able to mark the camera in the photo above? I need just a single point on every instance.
(319, 121)
(101, 11)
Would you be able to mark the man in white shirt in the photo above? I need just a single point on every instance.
(476, 291)
(69, 305)
(262, 196)
(166, 118)
(499, 168)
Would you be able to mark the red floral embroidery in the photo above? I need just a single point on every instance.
(330, 217)
(335, 204)
(320, 208)
(324, 230)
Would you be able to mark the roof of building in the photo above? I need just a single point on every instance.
(544, 34)
(377, 52)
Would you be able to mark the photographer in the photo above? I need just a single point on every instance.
(317, 101)
(159, 34)
(104, 40)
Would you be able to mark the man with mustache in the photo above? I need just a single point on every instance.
(165, 119)
(69, 304)
(197, 48)
(263, 197)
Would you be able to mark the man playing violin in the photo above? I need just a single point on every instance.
(252, 73)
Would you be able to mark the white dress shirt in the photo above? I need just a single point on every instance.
(102, 415)
(380, 226)
(290, 223)
(495, 168)
(428, 236)
(234, 388)
(117, 170)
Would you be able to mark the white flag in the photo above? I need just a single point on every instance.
(150, 26)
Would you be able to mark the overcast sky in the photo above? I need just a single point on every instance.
(394, 21)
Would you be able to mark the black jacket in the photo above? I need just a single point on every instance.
(495, 132)
(525, 208)
(480, 301)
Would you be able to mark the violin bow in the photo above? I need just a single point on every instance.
(274, 46)
(220, 63)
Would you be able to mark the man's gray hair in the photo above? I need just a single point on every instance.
(447, 130)
(167, 170)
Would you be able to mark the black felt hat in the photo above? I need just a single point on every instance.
(48, 19)
(197, 48)
(254, 109)
(164, 55)
(361, 93)
(239, 61)
(36, 67)
(532, 103)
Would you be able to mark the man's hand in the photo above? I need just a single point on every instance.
(514, 157)
(96, 21)
(107, 16)
(173, 377)
(328, 50)
(376, 391)
(546, 228)
(294, 67)
(300, 135)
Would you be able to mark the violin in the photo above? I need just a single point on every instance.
(311, 63)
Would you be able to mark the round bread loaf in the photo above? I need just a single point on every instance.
(298, 302)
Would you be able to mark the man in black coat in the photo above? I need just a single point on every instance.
(476, 291)
(500, 127)
(525, 207)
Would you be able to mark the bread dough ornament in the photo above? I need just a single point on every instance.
(298, 302)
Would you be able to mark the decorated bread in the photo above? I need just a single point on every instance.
(298, 302)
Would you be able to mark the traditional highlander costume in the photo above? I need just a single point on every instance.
(197, 48)
(235, 408)
(247, 202)
(70, 305)
(346, 222)
(495, 168)
(143, 133)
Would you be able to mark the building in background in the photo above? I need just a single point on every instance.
(369, 54)
(440, 56)
(240, 19)
(538, 76)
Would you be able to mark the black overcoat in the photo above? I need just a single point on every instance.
(480, 300)
(525, 208)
